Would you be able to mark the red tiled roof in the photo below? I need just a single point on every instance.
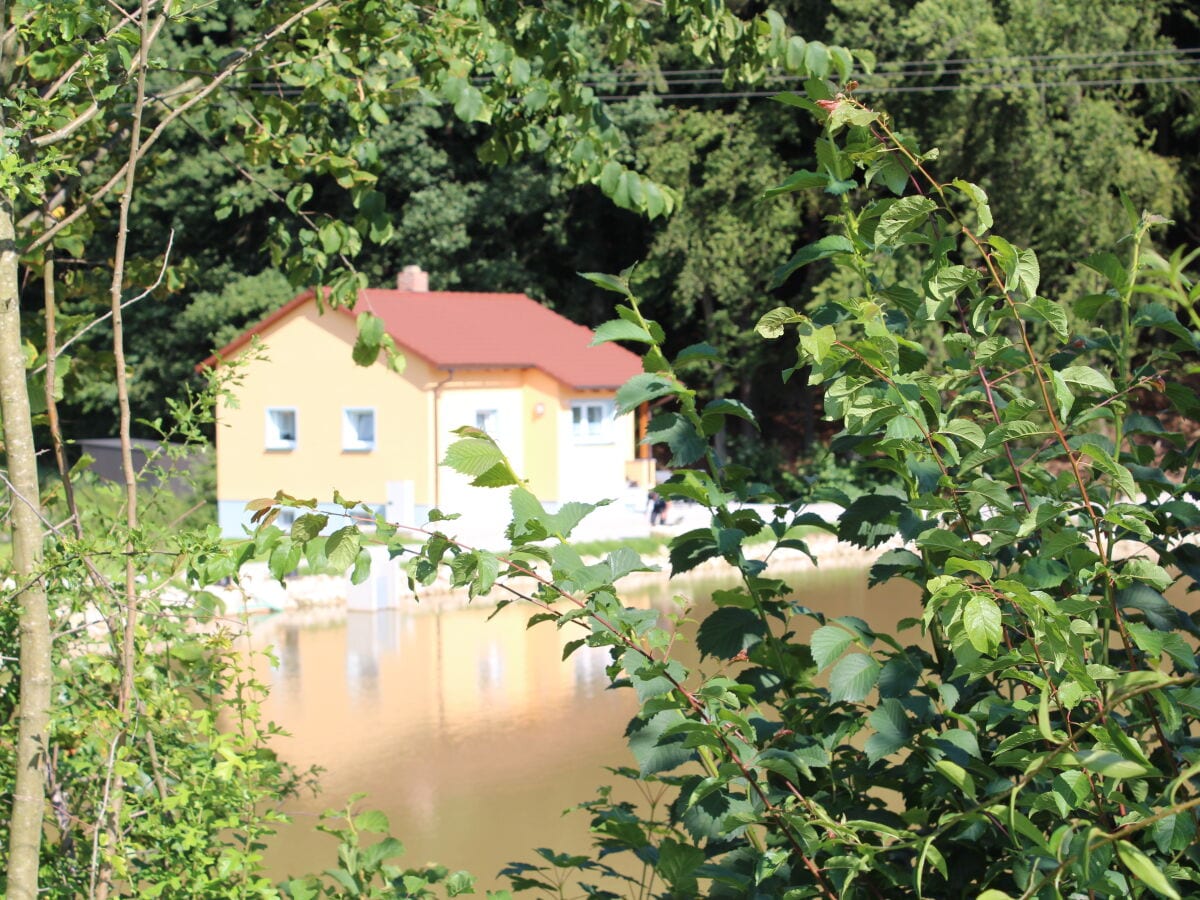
(454, 329)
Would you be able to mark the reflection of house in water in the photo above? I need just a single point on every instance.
(441, 673)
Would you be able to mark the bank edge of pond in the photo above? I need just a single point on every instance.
(256, 592)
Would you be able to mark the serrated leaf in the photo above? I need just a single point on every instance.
(472, 456)
(341, 547)
(827, 644)
(967, 430)
(650, 749)
(644, 387)
(372, 820)
(621, 330)
(728, 631)
(979, 200)
(308, 526)
(901, 217)
(771, 324)
(798, 181)
(982, 622)
(827, 247)
(362, 567)
(613, 283)
(957, 775)
(1053, 314)
(370, 339)
(1013, 431)
(693, 352)
(687, 445)
(891, 730)
(1122, 478)
(1087, 377)
(1111, 268)
(1145, 871)
(852, 678)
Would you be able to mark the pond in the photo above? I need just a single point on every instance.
(473, 735)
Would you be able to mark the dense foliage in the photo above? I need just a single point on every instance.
(1031, 734)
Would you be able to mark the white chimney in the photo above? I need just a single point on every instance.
(413, 278)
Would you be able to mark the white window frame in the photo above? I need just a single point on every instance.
(274, 438)
(351, 442)
(585, 430)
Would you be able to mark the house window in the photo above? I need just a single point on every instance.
(281, 428)
(487, 420)
(591, 422)
(358, 429)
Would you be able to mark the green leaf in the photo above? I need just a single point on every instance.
(614, 283)
(982, 621)
(1158, 611)
(1053, 314)
(687, 445)
(852, 678)
(1121, 476)
(979, 200)
(370, 339)
(1026, 275)
(499, 475)
(1015, 431)
(341, 547)
(828, 246)
(1087, 377)
(372, 820)
(799, 181)
(1145, 871)
(621, 330)
(966, 430)
(645, 387)
(1107, 763)
(957, 776)
(362, 567)
(901, 217)
(728, 631)
(891, 730)
(694, 352)
(1110, 267)
(827, 644)
(650, 749)
(308, 526)
(472, 456)
(299, 195)
(771, 325)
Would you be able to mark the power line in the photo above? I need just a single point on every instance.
(932, 88)
(670, 80)
(1041, 57)
(951, 63)
(1184, 57)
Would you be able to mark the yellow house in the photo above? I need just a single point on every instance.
(309, 421)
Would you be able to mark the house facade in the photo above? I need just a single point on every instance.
(310, 421)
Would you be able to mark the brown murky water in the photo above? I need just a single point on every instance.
(473, 735)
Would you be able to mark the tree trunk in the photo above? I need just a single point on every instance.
(29, 792)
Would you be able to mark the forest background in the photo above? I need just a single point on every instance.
(1061, 100)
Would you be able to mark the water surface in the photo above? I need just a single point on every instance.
(474, 735)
